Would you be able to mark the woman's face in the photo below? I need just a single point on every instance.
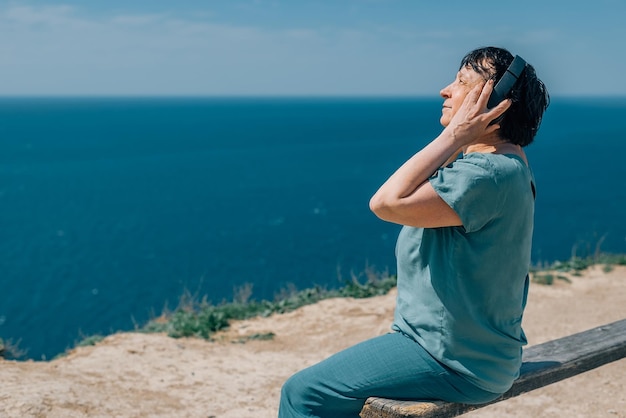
(455, 92)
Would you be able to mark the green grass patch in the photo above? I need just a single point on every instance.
(544, 274)
(90, 340)
(266, 336)
(196, 317)
(548, 278)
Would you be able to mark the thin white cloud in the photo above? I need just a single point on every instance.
(138, 20)
(28, 15)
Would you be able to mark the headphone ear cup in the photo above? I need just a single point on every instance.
(506, 83)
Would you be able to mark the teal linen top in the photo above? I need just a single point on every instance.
(462, 290)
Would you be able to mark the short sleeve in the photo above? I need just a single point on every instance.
(470, 189)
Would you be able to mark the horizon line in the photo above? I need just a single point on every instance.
(273, 96)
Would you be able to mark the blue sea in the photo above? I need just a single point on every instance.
(111, 208)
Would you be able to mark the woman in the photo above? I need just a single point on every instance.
(463, 258)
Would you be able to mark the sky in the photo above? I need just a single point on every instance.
(299, 48)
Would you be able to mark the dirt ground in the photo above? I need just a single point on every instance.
(152, 375)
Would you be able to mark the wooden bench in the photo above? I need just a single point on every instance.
(543, 364)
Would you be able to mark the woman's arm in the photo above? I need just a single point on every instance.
(407, 197)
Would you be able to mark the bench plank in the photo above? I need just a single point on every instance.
(543, 364)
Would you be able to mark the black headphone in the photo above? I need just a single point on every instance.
(504, 86)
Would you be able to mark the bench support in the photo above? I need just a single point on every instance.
(543, 364)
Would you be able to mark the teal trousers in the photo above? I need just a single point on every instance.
(389, 366)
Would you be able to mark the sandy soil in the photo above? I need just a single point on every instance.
(137, 375)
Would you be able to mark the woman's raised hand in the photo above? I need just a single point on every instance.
(472, 121)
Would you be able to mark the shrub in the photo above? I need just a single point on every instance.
(10, 350)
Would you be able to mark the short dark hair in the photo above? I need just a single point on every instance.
(529, 95)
